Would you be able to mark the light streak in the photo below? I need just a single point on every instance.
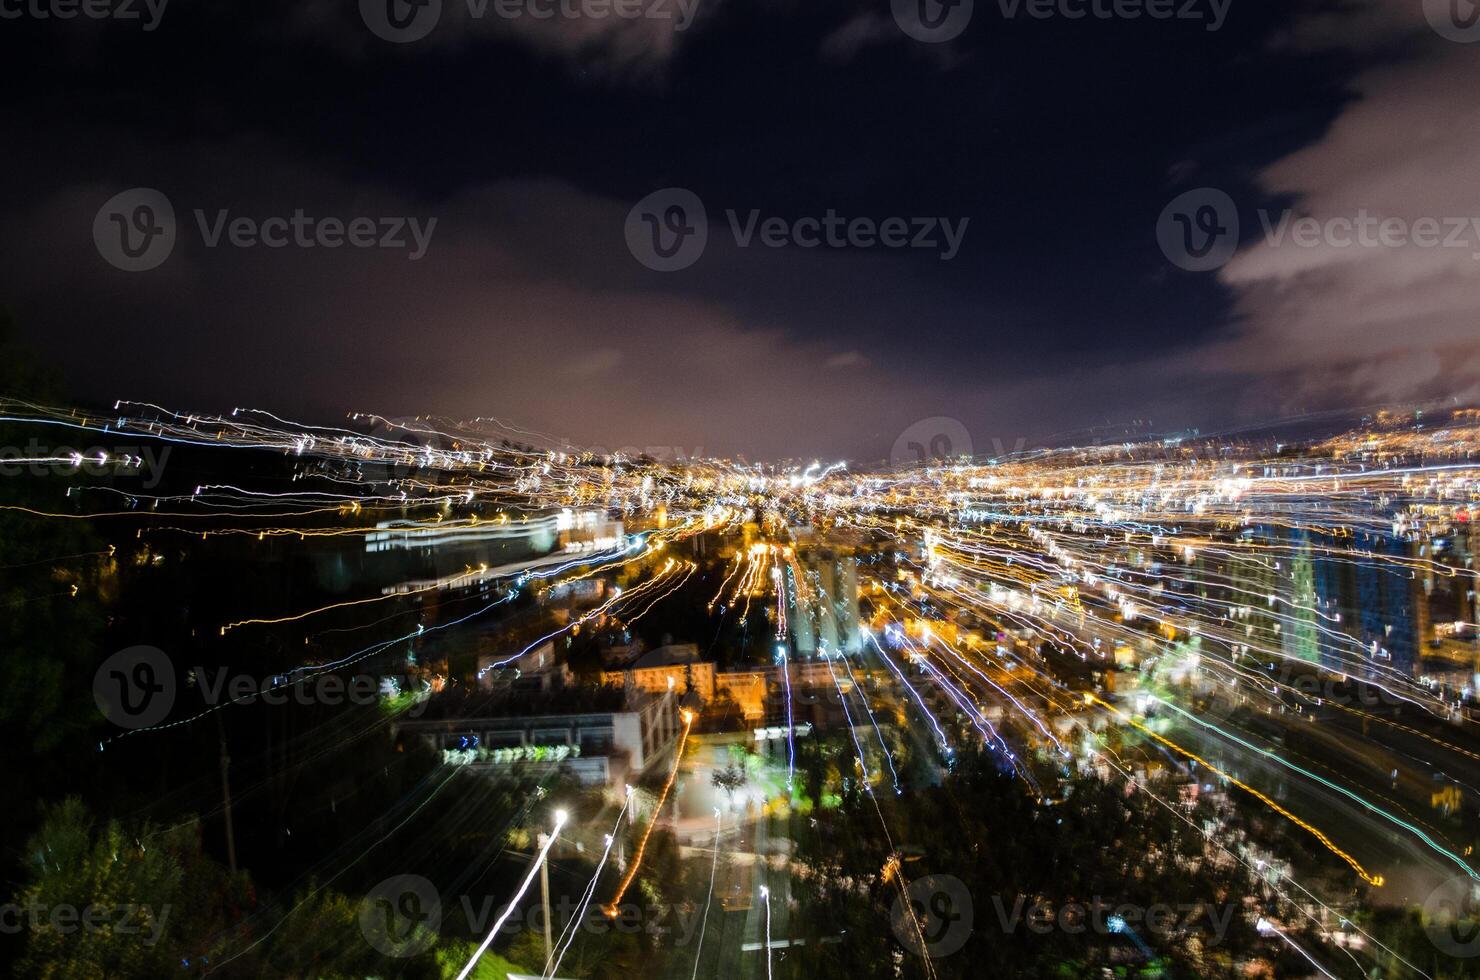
(611, 907)
(1267, 928)
(1177, 565)
(766, 894)
(573, 927)
(1374, 880)
(783, 654)
(704, 921)
(899, 674)
(322, 609)
(842, 699)
(309, 672)
(1329, 785)
(534, 868)
(863, 696)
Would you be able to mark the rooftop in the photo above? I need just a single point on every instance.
(667, 656)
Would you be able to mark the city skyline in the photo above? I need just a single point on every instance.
(740, 489)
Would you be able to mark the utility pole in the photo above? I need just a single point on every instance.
(545, 895)
(226, 795)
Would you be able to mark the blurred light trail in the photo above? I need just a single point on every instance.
(573, 927)
(704, 920)
(766, 894)
(611, 907)
(1375, 880)
(534, 868)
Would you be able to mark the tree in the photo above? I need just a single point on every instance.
(729, 779)
(103, 901)
(453, 955)
(50, 579)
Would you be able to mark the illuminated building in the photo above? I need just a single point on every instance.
(747, 688)
(582, 531)
(675, 667)
(538, 669)
(600, 748)
(831, 584)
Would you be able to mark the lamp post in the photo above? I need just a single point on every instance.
(545, 892)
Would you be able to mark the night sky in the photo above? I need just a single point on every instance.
(1060, 141)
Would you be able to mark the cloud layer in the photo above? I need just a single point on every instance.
(1377, 321)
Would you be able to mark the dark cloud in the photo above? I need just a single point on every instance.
(529, 141)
